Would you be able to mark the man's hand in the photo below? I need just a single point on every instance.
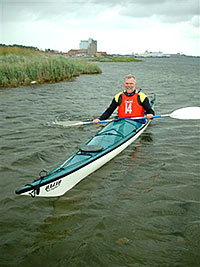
(96, 121)
(149, 116)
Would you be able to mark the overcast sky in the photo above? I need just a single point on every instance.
(119, 26)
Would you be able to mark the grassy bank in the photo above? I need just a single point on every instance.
(115, 59)
(23, 66)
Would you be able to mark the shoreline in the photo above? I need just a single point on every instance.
(114, 59)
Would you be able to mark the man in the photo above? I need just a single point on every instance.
(131, 102)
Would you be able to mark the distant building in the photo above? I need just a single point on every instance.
(90, 45)
(86, 48)
(152, 54)
(100, 54)
(83, 45)
(77, 52)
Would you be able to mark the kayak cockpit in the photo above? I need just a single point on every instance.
(91, 148)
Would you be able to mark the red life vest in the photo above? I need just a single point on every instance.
(130, 107)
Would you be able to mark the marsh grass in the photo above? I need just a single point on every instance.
(7, 50)
(22, 66)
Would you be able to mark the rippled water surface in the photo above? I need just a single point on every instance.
(140, 209)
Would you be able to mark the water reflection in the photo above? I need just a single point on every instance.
(144, 140)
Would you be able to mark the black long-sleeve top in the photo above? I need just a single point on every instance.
(145, 104)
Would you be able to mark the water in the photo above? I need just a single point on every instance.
(140, 209)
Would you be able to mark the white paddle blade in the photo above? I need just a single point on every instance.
(68, 123)
(188, 113)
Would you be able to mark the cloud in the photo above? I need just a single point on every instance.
(48, 10)
(119, 25)
(165, 10)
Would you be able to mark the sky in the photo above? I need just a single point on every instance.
(119, 26)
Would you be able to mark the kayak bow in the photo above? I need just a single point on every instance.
(104, 146)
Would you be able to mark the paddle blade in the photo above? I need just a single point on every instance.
(78, 123)
(188, 113)
(68, 123)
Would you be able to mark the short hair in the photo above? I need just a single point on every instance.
(129, 76)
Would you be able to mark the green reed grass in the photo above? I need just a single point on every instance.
(21, 69)
(7, 50)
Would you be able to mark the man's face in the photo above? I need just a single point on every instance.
(129, 85)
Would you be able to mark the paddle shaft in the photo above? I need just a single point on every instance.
(136, 118)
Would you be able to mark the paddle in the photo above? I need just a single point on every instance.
(187, 113)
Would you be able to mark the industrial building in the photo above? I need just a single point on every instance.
(90, 45)
(87, 48)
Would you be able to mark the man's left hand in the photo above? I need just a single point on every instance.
(149, 116)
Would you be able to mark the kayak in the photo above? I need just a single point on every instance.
(100, 149)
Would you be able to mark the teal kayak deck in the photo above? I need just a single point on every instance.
(112, 135)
